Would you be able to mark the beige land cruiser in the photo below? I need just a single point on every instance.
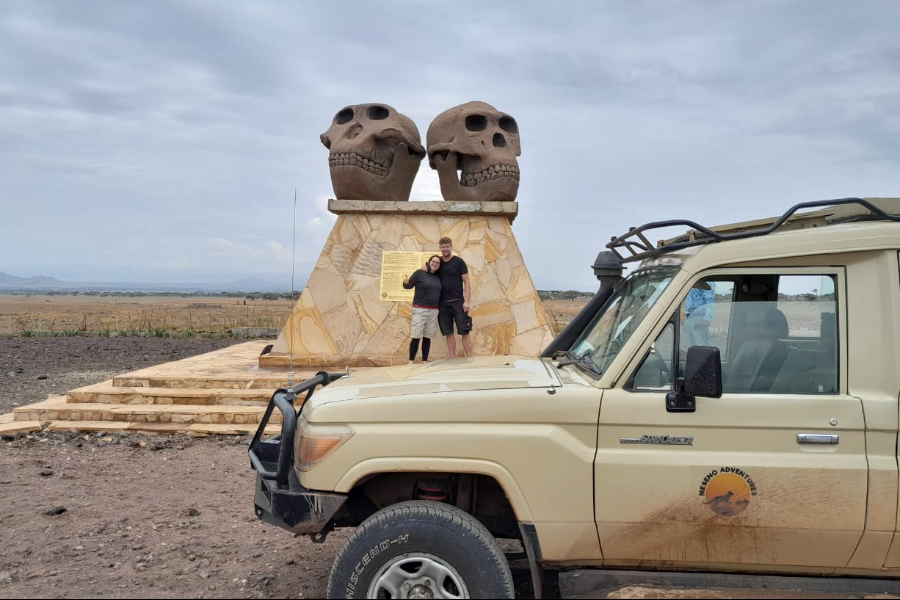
(730, 406)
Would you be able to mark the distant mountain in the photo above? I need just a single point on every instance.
(7, 280)
(42, 283)
(136, 274)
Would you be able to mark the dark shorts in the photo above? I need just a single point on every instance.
(452, 312)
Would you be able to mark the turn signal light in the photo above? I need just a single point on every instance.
(316, 442)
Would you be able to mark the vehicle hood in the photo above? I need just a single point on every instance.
(451, 375)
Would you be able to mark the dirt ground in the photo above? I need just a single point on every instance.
(31, 368)
(132, 515)
(125, 516)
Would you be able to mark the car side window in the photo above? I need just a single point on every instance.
(776, 334)
(705, 315)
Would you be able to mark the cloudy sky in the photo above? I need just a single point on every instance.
(163, 140)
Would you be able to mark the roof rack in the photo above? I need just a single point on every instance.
(638, 247)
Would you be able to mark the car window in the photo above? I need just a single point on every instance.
(706, 314)
(657, 371)
(776, 334)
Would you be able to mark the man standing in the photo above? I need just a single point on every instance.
(455, 294)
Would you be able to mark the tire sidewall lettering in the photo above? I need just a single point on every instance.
(418, 529)
(368, 557)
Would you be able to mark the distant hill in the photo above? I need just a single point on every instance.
(11, 283)
(7, 280)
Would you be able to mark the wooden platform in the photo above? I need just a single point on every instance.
(221, 392)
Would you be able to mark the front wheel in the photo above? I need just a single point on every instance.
(420, 549)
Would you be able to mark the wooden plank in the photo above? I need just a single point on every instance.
(88, 426)
(214, 429)
(19, 427)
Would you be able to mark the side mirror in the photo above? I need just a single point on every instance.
(703, 372)
(702, 378)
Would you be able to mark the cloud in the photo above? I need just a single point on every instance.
(175, 133)
(270, 251)
(220, 245)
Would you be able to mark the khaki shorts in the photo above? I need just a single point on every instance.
(424, 322)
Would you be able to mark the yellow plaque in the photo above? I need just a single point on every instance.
(397, 266)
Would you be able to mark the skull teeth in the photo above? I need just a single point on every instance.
(354, 159)
(490, 173)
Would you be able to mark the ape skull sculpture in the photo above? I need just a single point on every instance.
(479, 143)
(375, 153)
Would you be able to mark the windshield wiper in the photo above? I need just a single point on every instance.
(583, 361)
(589, 365)
(570, 358)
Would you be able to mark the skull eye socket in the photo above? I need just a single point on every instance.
(378, 113)
(508, 124)
(344, 116)
(476, 122)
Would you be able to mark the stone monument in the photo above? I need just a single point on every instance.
(353, 311)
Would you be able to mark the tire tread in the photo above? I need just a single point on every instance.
(425, 510)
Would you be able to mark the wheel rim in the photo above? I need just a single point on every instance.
(417, 575)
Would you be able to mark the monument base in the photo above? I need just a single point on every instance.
(341, 319)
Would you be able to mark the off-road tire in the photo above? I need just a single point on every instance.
(422, 528)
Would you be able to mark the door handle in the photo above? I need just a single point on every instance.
(818, 438)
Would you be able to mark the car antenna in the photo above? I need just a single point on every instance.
(293, 263)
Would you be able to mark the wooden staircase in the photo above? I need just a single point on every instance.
(221, 392)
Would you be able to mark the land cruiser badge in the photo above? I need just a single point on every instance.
(663, 440)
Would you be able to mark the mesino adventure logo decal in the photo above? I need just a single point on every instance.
(727, 491)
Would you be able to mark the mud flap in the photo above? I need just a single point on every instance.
(535, 559)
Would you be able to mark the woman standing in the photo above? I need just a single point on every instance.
(425, 306)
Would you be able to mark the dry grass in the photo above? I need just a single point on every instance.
(215, 315)
(156, 315)
(561, 312)
(167, 315)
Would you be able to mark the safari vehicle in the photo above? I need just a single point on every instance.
(763, 440)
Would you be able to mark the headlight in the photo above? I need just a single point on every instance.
(317, 442)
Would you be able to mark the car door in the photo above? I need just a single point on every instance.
(887, 274)
(771, 475)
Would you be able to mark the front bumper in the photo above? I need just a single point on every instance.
(295, 508)
(280, 499)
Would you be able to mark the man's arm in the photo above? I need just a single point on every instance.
(467, 291)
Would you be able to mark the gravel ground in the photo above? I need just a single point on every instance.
(33, 368)
(124, 516)
(133, 515)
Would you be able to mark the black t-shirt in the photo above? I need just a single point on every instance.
(428, 288)
(451, 273)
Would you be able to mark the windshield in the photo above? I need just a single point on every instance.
(610, 330)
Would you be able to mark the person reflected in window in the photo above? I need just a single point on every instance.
(698, 309)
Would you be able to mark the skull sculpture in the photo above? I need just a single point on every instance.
(481, 144)
(375, 153)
